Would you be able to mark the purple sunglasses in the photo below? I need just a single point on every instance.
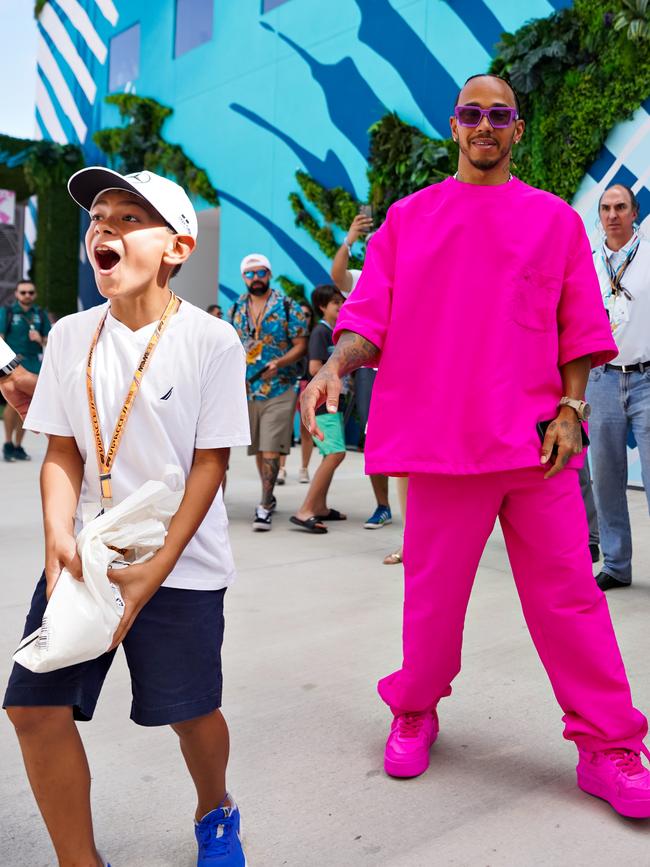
(499, 116)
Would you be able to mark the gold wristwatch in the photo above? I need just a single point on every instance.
(582, 409)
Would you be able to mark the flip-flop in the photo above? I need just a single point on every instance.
(309, 524)
(332, 515)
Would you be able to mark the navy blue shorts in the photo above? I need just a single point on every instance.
(173, 651)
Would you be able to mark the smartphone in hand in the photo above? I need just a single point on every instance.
(257, 375)
(366, 211)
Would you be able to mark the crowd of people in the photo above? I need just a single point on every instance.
(528, 333)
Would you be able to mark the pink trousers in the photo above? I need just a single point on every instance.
(545, 527)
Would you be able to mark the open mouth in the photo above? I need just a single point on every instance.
(106, 258)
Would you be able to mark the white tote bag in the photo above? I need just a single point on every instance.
(81, 616)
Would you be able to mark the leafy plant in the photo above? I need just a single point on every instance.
(140, 144)
(635, 18)
(578, 98)
(292, 289)
(540, 51)
(49, 164)
(337, 207)
(402, 159)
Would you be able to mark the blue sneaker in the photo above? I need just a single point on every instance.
(218, 837)
(379, 518)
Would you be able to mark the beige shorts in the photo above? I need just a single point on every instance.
(272, 423)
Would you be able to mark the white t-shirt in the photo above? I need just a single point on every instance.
(630, 319)
(6, 353)
(355, 273)
(192, 396)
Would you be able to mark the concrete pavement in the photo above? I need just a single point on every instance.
(312, 623)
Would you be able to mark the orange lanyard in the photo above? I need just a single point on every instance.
(105, 459)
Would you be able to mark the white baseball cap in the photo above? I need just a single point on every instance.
(254, 260)
(168, 198)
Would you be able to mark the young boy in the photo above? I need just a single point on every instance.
(189, 410)
(326, 300)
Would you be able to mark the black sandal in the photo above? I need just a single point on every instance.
(309, 524)
(332, 515)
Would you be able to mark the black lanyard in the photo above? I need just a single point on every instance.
(23, 313)
(615, 277)
(254, 326)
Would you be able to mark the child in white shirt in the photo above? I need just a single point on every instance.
(182, 372)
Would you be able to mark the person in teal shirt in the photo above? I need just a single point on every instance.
(24, 326)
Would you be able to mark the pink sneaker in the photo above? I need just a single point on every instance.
(618, 777)
(408, 744)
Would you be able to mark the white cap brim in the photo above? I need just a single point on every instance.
(86, 184)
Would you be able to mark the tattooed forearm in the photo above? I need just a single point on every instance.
(270, 468)
(352, 351)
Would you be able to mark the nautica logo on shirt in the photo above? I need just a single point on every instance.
(168, 394)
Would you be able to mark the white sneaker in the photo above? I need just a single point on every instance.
(303, 476)
(282, 476)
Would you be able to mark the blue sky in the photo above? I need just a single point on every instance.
(17, 67)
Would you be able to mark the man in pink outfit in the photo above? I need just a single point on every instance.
(484, 261)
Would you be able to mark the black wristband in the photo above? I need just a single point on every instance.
(9, 368)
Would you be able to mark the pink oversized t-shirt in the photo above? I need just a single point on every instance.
(475, 295)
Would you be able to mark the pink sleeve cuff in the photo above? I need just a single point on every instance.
(600, 354)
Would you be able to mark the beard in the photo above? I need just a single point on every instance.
(486, 163)
(258, 288)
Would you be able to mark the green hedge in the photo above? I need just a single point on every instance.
(44, 170)
(56, 253)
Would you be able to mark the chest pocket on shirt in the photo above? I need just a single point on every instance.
(536, 298)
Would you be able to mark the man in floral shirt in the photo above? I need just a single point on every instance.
(273, 330)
